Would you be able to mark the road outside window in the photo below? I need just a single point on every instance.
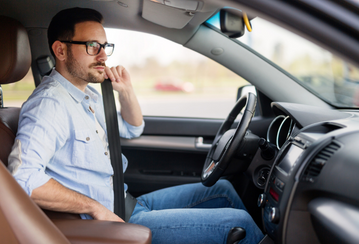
(171, 80)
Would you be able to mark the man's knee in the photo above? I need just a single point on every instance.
(226, 187)
(223, 183)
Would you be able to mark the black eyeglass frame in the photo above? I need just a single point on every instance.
(99, 50)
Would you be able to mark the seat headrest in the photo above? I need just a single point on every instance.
(14, 50)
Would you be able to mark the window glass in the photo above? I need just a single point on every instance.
(171, 80)
(15, 94)
(324, 74)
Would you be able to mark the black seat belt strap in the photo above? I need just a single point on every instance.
(113, 136)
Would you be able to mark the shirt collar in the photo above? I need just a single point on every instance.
(76, 93)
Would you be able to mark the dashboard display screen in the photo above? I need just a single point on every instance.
(289, 158)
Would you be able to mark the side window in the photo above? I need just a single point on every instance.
(171, 80)
(15, 94)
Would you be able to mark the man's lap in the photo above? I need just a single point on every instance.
(196, 195)
(196, 225)
(193, 213)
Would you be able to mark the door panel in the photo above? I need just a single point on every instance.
(172, 151)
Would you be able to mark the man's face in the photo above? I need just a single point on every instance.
(81, 65)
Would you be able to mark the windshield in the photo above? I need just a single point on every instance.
(321, 72)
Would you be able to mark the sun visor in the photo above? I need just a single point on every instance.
(170, 13)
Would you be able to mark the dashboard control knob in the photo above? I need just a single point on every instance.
(274, 215)
(262, 176)
(268, 149)
(262, 200)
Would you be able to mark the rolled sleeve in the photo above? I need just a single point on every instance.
(127, 130)
(35, 143)
(30, 176)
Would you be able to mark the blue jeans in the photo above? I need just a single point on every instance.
(193, 213)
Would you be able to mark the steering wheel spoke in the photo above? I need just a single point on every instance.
(210, 169)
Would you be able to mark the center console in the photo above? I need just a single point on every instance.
(274, 200)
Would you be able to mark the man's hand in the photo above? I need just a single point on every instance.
(121, 80)
(102, 213)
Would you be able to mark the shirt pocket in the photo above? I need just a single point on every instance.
(86, 151)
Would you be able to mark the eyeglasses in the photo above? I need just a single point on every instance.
(93, 48)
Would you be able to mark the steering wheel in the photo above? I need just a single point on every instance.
(228, 141)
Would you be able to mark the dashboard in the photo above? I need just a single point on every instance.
(310, 194)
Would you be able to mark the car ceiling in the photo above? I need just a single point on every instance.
(308, 18)
(115, 15)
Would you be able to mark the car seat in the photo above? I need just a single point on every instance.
(16, 61)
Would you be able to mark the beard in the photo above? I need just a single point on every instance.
(77, 71)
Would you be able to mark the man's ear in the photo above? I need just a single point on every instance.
(60, 50)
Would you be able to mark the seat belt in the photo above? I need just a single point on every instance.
(113, 136)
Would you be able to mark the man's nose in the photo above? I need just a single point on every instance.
(102, 56)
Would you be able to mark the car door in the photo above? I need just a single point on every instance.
(172, 151)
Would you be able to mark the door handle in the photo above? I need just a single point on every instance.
(200, 145)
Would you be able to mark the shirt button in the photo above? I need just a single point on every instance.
(97, 131)
(87, 97)
(87, 138)
(106, 153)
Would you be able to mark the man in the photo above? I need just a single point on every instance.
(61, 159)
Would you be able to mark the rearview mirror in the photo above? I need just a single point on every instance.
(231, 22)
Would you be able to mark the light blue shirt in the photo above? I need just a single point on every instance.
(57, 139)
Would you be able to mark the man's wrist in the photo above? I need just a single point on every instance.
(92, 208)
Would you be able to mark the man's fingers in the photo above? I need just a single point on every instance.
(102, 213)
(119, 70)
(112, 74)
(109, 74)
(117, 74)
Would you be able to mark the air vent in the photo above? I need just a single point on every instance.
(318, 162)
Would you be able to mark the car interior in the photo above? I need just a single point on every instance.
(288, 146)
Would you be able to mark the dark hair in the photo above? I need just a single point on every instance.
(62, 25)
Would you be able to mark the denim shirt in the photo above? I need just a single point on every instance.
(57, 139)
